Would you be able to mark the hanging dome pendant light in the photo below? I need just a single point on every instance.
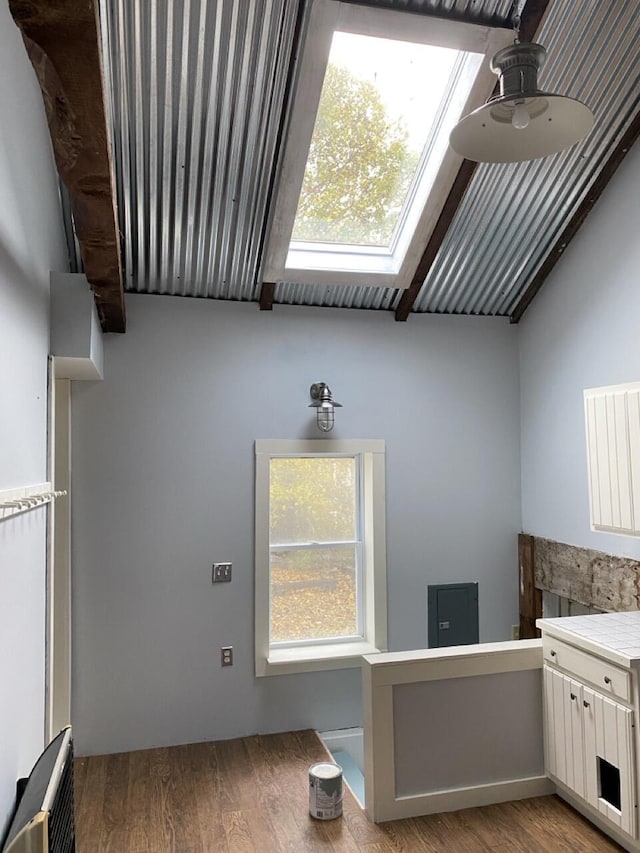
(522, 122)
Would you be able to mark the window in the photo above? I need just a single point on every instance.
(320, 554)
(368, 164)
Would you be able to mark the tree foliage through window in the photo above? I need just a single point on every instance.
(359, 167)
(313, 500)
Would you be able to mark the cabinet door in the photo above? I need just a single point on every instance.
(564, 750)
(609, 759)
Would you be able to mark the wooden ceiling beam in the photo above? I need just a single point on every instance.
(576, 221)
(531, 19)
(63, 43)
(267, 293)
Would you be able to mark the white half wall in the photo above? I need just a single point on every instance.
(31, 244)
(580, 332)
(163, 484)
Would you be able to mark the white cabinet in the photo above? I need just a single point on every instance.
(592, 706)
(609, 759)
(612, 416)
(589, 746)
(564, 730)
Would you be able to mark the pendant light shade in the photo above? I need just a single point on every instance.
(522, 122)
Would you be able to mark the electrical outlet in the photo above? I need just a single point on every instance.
(221, 573)
(515, 632)
(226, 656)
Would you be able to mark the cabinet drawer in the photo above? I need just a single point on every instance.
(607, 677)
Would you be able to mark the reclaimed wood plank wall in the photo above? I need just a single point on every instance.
(582, 575)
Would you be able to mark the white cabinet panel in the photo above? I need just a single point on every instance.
(564, 736)
(608, 735)
(612, 416)
(555, 753)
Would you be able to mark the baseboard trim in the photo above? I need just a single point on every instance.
(454, 799)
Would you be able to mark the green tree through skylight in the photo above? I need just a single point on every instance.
(359, 167)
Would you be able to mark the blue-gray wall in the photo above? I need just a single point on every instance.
(31, 244)
(163, 486)
(582, 331)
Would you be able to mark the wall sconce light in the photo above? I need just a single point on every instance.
(324, 405)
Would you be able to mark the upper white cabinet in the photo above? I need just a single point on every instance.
(613, 455)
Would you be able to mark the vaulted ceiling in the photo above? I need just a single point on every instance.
(171, 185)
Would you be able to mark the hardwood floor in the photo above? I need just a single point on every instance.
(251, 794)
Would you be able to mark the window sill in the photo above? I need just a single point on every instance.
(314, 658)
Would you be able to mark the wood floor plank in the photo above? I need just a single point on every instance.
(276, 781)
(138, 822)
(561, 827)
(114, 808)
(202, 763)
(251, 795)
(409, 835)
(89, 807)
(237, 772)
(237, 832)
(183, 801)
(492, 834)
(161, 818)
(79, 778)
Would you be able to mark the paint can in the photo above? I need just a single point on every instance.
(325, 791)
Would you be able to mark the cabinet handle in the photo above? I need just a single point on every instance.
(585, 703)
(552, 653)
(607, 680)
(573, 696)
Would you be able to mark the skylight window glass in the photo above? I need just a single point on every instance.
(367, 166)
(381, 109)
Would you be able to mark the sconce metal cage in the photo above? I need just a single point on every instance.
(324, 404)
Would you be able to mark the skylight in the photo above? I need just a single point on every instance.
(368, 162)
(381, 106)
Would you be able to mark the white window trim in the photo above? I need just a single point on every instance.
(327, 16)
(344, 654)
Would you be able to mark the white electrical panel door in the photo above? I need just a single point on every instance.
(612, 416)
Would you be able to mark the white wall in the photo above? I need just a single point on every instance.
(163, 486)
(31, 244)
(581, 331)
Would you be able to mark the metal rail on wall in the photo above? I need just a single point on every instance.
(15, 501)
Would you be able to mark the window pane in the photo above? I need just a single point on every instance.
(312, 500)
(380, 105)
(313, 594)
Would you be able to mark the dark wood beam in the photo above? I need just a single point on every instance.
(534, 12)
(530, 597)
(63, 43)
(576, 221)
(447, 214)
(531, 19)
(267, 292)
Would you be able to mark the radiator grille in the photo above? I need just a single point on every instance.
(61, 817)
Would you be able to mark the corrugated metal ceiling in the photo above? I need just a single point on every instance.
(198, 101)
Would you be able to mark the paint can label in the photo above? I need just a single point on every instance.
(325, 791)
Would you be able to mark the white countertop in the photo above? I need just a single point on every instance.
(613, 636)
